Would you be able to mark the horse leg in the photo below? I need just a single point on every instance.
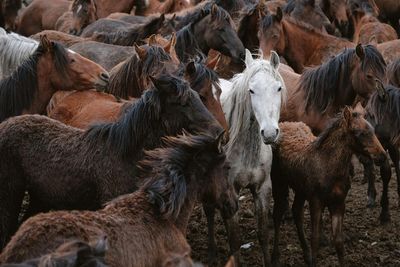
(209, 210)
(233, 230)
(315, 211)
(369, 175)
(11, 196)
(280, 195)
(261, 202)
(394, 155)
(298, 216)
(386, 174)
(337, 214)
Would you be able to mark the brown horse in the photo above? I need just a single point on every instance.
(146, 227)
(318, 171)
(60, 37)
(71, 254)
(322, 91)
(92, 166)
(308, 11)
(383, 114)
(83, 13)
(41, 15)
(337, 12)
(213, 29)
(29, 88)
(165, 7)
(390, 50)
(300, 44)
(8, 13)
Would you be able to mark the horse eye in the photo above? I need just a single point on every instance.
(280, 89)
(72, 60)
(251, 91)
(370, 76)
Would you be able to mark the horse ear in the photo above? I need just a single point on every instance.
(359, 109)
(231, 262)
(214, 10)
(140, 51)
(45, 43)
(274, 59)
(279, 14)
(360, 51)
(249, 58)
(212, 64)
(219, 141)
(152, 40)
(190, 68)
(347, 115)
(373, 41)
(171, 44)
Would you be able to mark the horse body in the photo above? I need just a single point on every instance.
(318, 170)
(253, 127)
(145, 227)
(41, 15)
(301, 46)
(77, 157)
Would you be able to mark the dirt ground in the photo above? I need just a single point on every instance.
(367, 242)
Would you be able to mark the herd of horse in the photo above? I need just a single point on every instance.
(118, 117)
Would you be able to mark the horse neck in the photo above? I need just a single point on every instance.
(338, 146)
(106, 7)
(300, 44)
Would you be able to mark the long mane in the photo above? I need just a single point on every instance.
(240, 114)
(324, 85)
(18, 90)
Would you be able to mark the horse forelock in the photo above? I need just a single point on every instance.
(373, 60)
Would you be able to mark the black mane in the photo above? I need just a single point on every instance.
(324, 85)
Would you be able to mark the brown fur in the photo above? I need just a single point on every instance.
(390, 50)
(41, 15)
(142, 228)
(61, 37)
(318, 169)
(370, 29)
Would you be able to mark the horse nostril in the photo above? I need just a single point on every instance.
(262, 132)
(104, 76)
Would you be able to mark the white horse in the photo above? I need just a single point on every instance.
(14, 49)
(251, 102)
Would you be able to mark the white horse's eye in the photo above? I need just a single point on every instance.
(251, 91)
(280, 89)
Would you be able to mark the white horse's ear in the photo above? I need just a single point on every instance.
(274, 59)
(249, 58)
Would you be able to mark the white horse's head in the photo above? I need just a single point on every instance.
(254, 95)
(267, 91)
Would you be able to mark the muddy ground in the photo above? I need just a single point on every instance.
(367, 242)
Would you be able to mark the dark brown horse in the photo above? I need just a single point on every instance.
(92, 166)
(322, 91)
(300, 44)
(71, 254)
(83, 14)
(318, 170)
(308, 11)
(212, 30)
(129, 36)
(337, 11)
(29, 88)
(383, 113)
(146, 227)
(8, 13)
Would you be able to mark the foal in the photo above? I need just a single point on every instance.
(317, 169)
(145, 227)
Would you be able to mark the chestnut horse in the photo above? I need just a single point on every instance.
(70, 254)
(51, 68)
(41, 15)
(383, 113)
(318, 171)
(146, 227)
(322, 91)
(301, 45)
(212, 30)
(92, 166)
